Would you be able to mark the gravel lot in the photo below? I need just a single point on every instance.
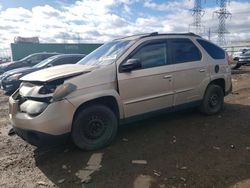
(184, 149)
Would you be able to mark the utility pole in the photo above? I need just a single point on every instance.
(78, 38)
(222, 14)
(209, 34)
(197, 13)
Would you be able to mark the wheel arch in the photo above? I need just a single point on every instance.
(109, 101)
(220, 82)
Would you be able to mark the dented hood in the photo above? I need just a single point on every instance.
(57, 72)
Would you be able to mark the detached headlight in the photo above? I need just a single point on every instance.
(63, 90)
(15, 76)
(33, 108)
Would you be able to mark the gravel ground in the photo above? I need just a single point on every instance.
(184, 149)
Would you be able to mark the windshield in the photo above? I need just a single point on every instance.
(247, 52)
(45, 62)
(26, 58)
(106, 54)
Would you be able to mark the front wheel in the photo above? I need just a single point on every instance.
(213, 100)
(94, 127)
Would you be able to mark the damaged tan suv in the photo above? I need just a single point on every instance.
(122, 79)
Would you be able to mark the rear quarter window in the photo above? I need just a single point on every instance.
(214, 51)
(184, 50)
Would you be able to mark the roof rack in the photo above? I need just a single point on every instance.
(136, 35)
(143, 35)
(182, 34)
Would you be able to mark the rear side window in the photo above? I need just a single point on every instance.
(45, 56)
(76, 59)
(66, 60)
(152, 55)
(35, 58)
(213, 50)
(184, 50)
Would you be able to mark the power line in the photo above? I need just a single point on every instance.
(222, 14)
(197, 13)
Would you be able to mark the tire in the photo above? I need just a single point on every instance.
(237, 66)
(213, 100)
(94, 127)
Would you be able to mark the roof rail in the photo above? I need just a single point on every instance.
(160, 34)
(143, 35)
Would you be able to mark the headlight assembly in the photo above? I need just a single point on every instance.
(63, 90)
(47, 89)
(46, 92)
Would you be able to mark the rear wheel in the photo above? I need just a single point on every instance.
(235, 65)
(94, 127)
(213, 100)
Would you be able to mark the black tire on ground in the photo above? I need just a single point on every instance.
(237, 66)
(213, 100)
(94, 127)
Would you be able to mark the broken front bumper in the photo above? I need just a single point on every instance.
(40, 139)
(55, 120)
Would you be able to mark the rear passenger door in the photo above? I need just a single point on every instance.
(148, 88)
(190, 71)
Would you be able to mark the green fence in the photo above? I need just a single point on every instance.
(20, 50)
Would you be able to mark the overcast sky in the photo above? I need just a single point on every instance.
(99, 21)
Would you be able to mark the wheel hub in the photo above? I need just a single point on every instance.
(214, 100)
(95, 128)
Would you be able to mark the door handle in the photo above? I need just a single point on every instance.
(202, 70)
(167, 77)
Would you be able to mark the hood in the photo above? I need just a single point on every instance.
(57, 72)
(18, 70)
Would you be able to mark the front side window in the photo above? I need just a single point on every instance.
(151, 55)
(214, 51)
(184, 50)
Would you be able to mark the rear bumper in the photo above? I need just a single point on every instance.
(40, 139)
(229, 90)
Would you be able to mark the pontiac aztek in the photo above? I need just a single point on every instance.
(120, 80)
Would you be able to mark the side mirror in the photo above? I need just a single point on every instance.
(130, 65)
(49, 65)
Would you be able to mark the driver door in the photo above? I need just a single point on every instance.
(148, 88)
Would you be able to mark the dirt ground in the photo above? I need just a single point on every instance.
(184, 149)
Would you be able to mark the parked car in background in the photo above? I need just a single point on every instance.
(244, 58)
(238, 58)
(4, 60)
(10, 79)
(28, 61)
(120, 80)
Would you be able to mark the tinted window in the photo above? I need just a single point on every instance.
(213, 50)
(35, 59)
(184, 50)
(66, 60)
(45, 56)
(76, 59)
(151, 55)
(247, 52)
